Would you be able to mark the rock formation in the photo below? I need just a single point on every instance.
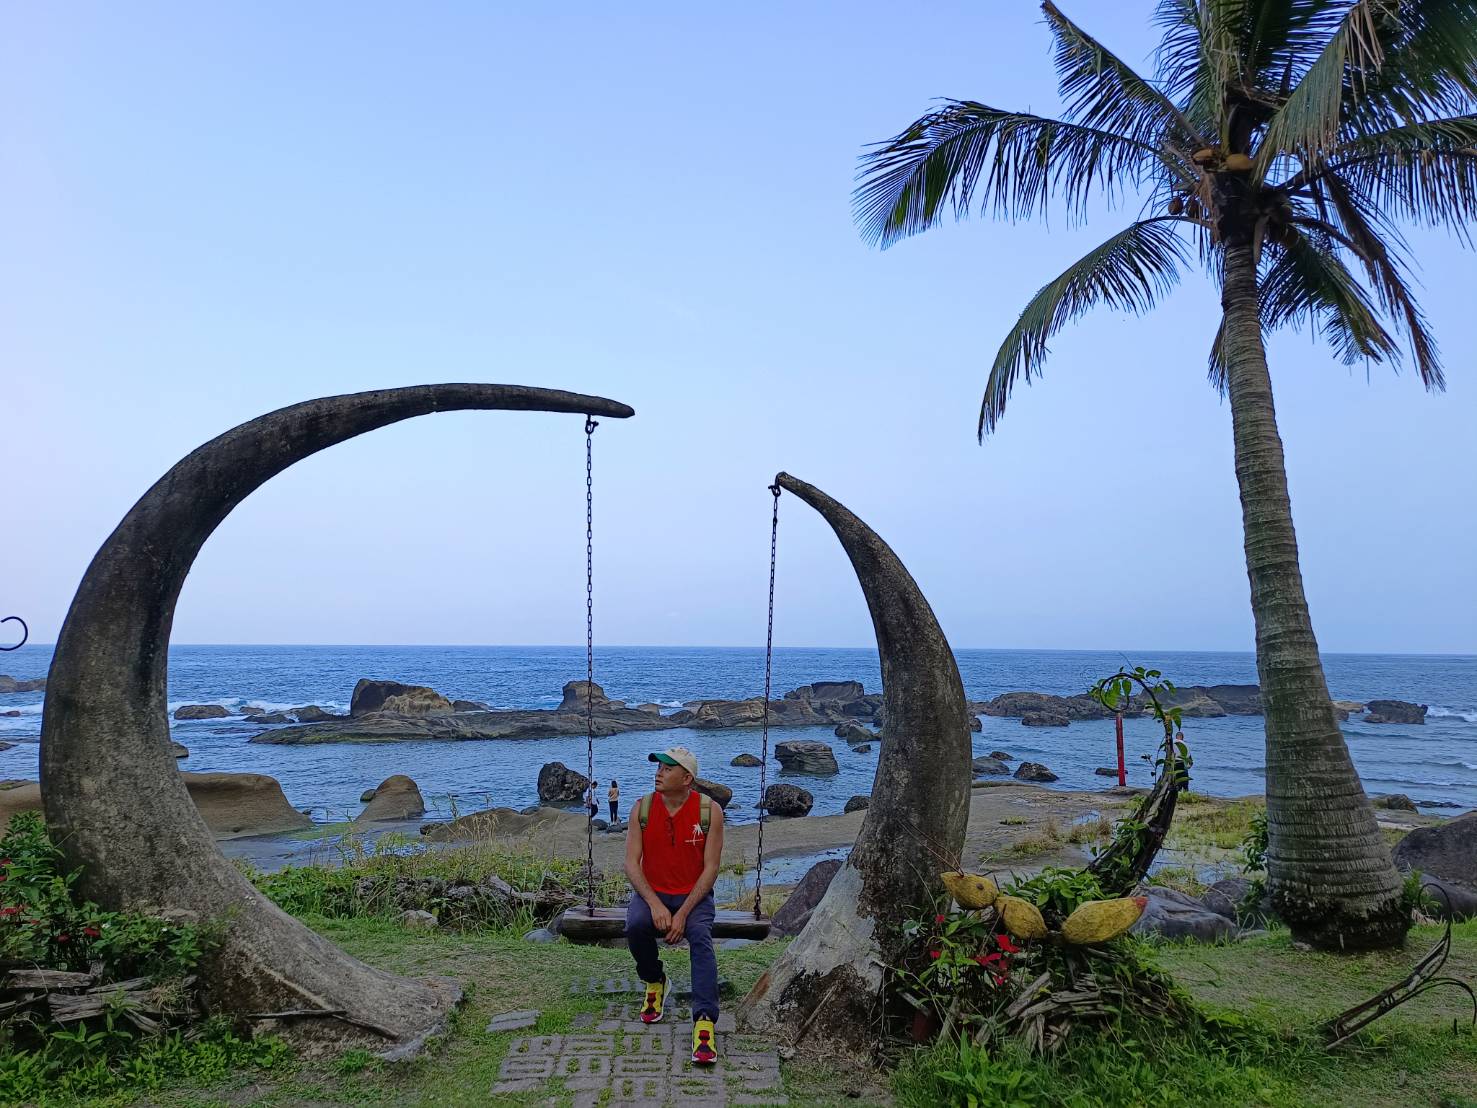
(558, 784)
(784, 799)
(806, 756)
(397, 797)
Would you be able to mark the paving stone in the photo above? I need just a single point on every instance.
(582, 1021)
(588, 1044)
(518, 1085)
(537, 1044)
(639, 1065)
(583, 1065)
(541, 1066)
(514, 1021)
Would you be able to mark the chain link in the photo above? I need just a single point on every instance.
(590, 426)
(774, 537)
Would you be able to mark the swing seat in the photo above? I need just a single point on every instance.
(580, 925)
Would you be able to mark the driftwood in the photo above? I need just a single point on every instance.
(65, 997)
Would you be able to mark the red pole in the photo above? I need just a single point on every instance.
(1122, 772)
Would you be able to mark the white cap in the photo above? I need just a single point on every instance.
(676, 756)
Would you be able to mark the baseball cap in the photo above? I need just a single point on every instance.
(676, 756)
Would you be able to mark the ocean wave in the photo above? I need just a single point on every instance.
(1436, 711)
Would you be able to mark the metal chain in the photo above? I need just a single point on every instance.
(590, 426)
(25, 632)
(774, 536)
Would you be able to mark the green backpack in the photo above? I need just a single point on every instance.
(705, 810)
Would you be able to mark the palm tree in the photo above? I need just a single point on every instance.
(1279, 144)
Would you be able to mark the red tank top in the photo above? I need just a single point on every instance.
(672, 846)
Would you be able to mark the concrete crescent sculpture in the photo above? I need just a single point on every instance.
(112, 796)
(831, 978)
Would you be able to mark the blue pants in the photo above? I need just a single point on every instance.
(643, 937)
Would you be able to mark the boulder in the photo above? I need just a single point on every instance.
(251, 709)
(1449, 898)
(540, 935)
(990, 766)
(862, 748)
(396, 699)
(466, 706)
(413, 919)
(398, 797)
(269, 717)
(747, 760)
(654, 709)
(857, 804)
(1033, 771)
(179, 749)
(200, 711)
(723, 714)
(855, 733)
(1177, 915)
(312, 713)
(721, 794)
(1394, 802)
(1207, 701)
(794, 914)
(13, 713)
(783, 799)
(806, 756)
(1001, 755)
(1020, 703)
(1395, 711)
(366, 796)
(1106, 771)
(828, 692)
(1447, 850)
(1353, 707)
(577, 694)
(239, 804)
(975, 724)
(18, 684)
(1044, 719)
(558, 784)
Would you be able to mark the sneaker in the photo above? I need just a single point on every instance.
(651, 1008)
(704, 1042)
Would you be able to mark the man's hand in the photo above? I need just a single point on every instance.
(661, 917)
(678, 925)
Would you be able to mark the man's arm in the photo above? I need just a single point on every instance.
(712, 857)
(661, 915)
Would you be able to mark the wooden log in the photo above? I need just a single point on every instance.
(579, 925)
(47, 979)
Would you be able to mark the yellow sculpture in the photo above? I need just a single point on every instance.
(1097, 921)
(970, 889)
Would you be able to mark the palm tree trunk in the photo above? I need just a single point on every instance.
(1329, 871)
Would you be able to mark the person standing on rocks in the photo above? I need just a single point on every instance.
(590, 801)
(614, 796)
(672, 860)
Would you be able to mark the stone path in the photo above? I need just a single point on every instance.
(613, 1060)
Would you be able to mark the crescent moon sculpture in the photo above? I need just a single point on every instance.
(832, 977)
(112, 795)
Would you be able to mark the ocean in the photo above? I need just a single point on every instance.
(1434, 764)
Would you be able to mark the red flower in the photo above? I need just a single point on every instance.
(1004, 943)
(934, 954)
(9, 911)
(986, 959)
(91, 932)
(940, 918)
(63, 937)
(5, 861)
(999, 980)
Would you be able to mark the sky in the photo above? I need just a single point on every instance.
(208, 212)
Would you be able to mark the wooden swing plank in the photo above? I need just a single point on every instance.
(580, 925)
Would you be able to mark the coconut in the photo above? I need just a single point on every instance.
(1176, 206)
(1097, 921)
(1204, 156)
(970, 889)
(1022, 918)
(1237, 163)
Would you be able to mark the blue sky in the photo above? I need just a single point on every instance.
(211, 211)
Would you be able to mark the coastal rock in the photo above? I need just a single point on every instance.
(857, 804)
(1395, 802)
(1001, 755)
(828, 692)
(1447, 850)
(1044, 719)
(654, 709)
(989, 766)
(13, 713)
(806, 756)
(465, 706)
(862, 748)
(558, 784)
(577, 694)
(721, 794)
(251, 709)
(312, 713)
(1106, 771)
(1207, 701)
(975, 724)
(239, 804)
(1395, 711)
(1177, 915)
(398, 797)
(723, 714)
(854, 733)
(414, 919)
(366, 796)
(787, 800)
(1033, 771)
(747, 760)
(396, 698)
(200, 711)
(179, 750)
(1447, 898)
(1352, 707)
(16, 684)
(794, 914)
(1022, 703)
(269, 717)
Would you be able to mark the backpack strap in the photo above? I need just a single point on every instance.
(705, 811)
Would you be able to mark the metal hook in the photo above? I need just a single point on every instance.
(25, 632)
(590, 425)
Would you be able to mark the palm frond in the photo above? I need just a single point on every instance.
(1012, 161)
(1366, 233)
(1308, 124)
(1430, 69)
(1130, 272)
(1102, 91)
(1195, 61)
(1425, 173)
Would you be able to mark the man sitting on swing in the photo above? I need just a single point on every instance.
(672, 856)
